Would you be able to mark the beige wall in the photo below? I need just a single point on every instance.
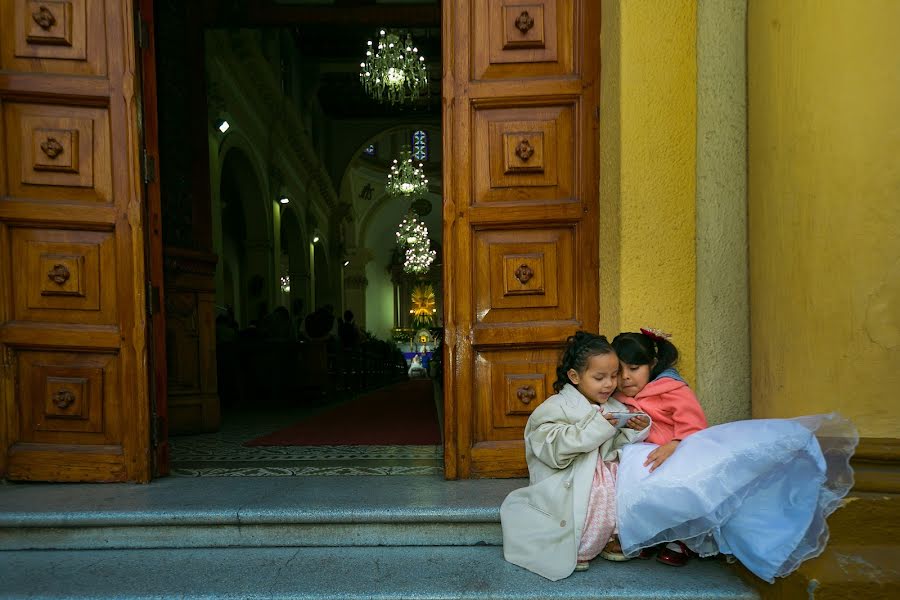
(824, 209)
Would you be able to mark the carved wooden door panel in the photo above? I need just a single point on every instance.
(73, 391)
(521, 81)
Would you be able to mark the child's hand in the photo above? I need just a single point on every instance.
(638, 423)
(659, 456)
(610, 419)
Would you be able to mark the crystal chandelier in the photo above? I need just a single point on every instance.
(410, 231)
(419, 257)
(393, 71)
(412, 235)
(405, 178)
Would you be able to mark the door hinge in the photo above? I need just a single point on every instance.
(148, 167)
(152, 299)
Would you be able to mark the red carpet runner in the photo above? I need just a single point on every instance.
(402, 414)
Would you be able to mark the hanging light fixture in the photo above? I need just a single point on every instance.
(410, 231)
(412, 236)
(393, 72)
(419, 257)
(405, 178)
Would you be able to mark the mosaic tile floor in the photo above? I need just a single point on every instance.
(221, 454)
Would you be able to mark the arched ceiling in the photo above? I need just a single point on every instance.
(332, 36)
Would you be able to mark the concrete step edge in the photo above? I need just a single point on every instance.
(250, 516)
(438, 573)
(251, 535)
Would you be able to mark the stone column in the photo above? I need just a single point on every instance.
(355, 284)
(258, 262)
(300, 287)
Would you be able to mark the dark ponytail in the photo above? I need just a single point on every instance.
(641, 349)
(578, 351)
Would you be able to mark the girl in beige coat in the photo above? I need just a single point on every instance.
(567, 515)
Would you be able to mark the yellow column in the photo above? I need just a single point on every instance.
(648, 165)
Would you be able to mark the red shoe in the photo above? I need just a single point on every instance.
(647, 553)
(672, 557)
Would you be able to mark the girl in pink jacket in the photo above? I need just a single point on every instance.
(649, 383)
(759, 490)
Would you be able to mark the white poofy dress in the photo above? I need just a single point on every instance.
(759, 490)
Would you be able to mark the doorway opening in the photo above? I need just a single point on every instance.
(299, 340)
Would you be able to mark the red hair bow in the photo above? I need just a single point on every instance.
(656, 335)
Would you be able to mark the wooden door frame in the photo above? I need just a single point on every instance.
(155, 289)
(452, 345)
(201, 16)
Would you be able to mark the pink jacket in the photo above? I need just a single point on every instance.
(672, 405)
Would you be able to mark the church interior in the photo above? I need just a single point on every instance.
(301, 234)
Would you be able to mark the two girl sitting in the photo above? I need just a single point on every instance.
(759, 490)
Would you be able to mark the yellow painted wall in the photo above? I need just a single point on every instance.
(648, 164)
(824, 209)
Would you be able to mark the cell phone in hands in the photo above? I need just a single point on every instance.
(623, 417)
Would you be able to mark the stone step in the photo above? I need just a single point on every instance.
(472, 572)
(213, 512)
(188, 535)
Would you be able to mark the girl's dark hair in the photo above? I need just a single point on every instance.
(636, 348)
(579, 350)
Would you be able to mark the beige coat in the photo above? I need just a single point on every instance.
(564, 438)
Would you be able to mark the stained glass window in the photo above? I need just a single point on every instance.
(369, 150)
(420, 145)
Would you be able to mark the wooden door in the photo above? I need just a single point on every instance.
(74, 388)
(521, 81)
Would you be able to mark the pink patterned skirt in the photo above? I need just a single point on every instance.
(600, 522)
